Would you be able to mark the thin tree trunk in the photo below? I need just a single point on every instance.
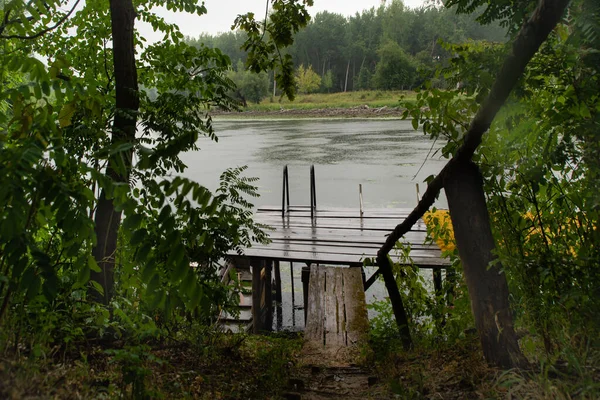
(485, 279)
(346, 81)
(107, 219)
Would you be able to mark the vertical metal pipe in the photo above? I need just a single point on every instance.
(313, 192)
(360, 198)
(285, 191)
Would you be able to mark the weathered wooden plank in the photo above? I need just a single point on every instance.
(331, 330)
(337, 210)
(349, 250)
(340, 234)
(337, 314)
(278, 242)
(378, 224)
(336, 259)
(356, 309)
(314, 307)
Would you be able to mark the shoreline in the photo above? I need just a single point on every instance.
(357, 112)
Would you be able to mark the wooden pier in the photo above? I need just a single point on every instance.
(328, 236)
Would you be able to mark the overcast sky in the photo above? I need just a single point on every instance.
(221, 14)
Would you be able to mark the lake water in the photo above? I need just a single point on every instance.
(382, 155)
(386, 156)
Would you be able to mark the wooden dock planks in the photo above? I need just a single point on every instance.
(337, 322)
(338, 236)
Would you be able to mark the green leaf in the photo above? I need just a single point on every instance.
(153, 285)
(93, 265)
(83, 276)
(138, 236)
(97, 287)
(584, 111)
(182, 267)
(66, 114)
(133, 221)
(415, 123)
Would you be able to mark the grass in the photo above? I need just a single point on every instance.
(224, 366)
(372, 98)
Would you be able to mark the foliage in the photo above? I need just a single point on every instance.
(266, 39)
(540, 175)
(340, 44)
(395, 70)
(249, 85)
(307, 80)
(56, 145)
(327, 81)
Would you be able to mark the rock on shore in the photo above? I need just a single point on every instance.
(362, 111)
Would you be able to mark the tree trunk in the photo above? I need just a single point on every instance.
(107, 219)
(483, 273)
(346, 81)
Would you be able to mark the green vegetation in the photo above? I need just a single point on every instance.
(109, 259)
(314, 101)
(307, 80)
(388, 47)
(249, 86)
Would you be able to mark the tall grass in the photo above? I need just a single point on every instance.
(372, 98)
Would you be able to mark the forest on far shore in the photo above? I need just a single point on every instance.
(392, 47)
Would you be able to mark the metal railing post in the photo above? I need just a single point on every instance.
(285, 199)
(313, 192)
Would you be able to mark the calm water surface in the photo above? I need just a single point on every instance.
(382, 155)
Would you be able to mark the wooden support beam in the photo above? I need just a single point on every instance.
(256, 296)
(372, 279)
(305, 281)
(268, 295)
(437, 282)
(277, 273)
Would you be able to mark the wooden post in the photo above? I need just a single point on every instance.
(305, 280)
(268, 295)
(437, 282)
(278, 300)
(395, 299)
(483, 273)
(256, 296)
(277, 273)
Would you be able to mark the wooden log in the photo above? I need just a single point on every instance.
(337, 320)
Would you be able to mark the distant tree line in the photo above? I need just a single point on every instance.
(391, 47)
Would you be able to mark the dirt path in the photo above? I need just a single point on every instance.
(349, 382)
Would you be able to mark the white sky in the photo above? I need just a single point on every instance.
(221, 14)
